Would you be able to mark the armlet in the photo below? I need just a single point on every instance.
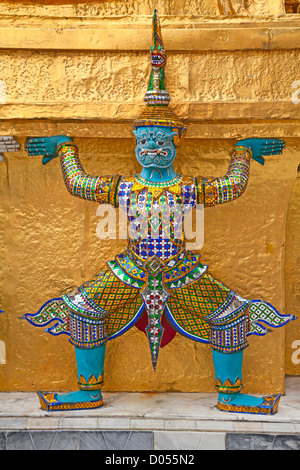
(206, 191)
(113, 190)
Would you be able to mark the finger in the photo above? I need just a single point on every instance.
(35, 146)
(272, 149)
(275, 148)
(275, 152)
(36, 140)
(35, 149)
(275, 141)
(272, 152)
(9, 148)
(276, 145)
(9, 142)
(36, 152)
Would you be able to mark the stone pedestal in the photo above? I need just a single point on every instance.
(149, 421)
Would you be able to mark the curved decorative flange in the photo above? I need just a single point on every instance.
(49, 402)
(268, 407)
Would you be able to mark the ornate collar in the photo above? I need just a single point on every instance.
(157, 189)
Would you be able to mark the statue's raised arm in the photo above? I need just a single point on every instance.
(212, 191)
(100, 189)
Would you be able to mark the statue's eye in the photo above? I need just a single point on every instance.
(143, 141)
(160, 142)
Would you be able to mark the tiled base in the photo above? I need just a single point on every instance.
(149, 421)
(144, 440)
(262, 442)
(76, 440)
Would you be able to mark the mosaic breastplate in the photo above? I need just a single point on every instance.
(156, 214)
(156, 261)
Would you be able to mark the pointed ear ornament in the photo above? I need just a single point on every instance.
(157, 98)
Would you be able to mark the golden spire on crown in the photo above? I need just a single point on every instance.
(157, 98)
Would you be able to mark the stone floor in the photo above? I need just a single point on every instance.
(149, 421)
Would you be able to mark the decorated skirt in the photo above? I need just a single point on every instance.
(161, 299)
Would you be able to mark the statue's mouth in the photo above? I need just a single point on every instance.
(153, 153)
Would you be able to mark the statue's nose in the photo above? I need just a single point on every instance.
(151, 144)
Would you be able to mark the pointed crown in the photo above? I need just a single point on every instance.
(157, 98)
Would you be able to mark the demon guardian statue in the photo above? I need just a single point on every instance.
(157, 284)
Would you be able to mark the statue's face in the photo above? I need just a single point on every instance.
(154, 146)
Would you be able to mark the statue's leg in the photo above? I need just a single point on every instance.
(88, 315)
(228, 350)
(89, 339)
(90, 364)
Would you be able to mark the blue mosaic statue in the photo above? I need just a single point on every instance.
(157, 284)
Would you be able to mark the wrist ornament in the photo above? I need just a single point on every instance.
(240, 150)
(65, 144)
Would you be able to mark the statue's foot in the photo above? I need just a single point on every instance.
(242, 403)
(80, 400)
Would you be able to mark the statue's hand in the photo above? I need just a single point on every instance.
(45, 146)
(262, 147)
(8, 144)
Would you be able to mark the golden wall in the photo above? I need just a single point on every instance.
(81, 69)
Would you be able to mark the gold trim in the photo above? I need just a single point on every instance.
(67, 144)
(228, 386)
(157, 191)
(158, 116)
(268, 407)
(92, 383)
(49, 402)
(237, 151)
(111, 196)
(210, 191)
